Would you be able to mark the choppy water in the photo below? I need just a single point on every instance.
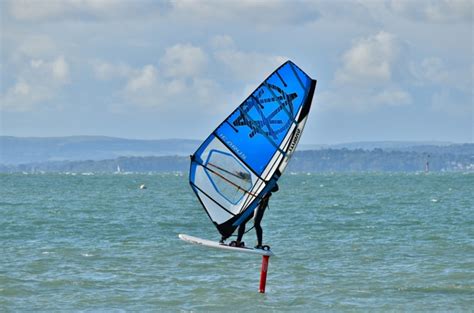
(344, 242)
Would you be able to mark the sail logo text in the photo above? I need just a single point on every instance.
(232, 146)
(296, 137)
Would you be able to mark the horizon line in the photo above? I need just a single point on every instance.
(444, 142)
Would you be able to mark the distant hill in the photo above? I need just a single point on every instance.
(388, 145)
(378, 160)
(20, 150)
(370, 145)
(25, 150)
(325, 160)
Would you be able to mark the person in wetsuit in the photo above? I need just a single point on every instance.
(257, 220)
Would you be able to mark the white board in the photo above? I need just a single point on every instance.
(214, 244)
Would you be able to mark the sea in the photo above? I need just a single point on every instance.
(354, 242)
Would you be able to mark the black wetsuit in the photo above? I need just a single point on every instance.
(257, 219)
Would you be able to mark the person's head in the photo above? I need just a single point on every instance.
(269, 194)
(275, 188)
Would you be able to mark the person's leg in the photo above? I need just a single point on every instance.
(258, 228)
(241, 232)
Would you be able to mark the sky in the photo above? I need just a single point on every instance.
(386, 70)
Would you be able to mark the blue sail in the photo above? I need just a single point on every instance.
(243, 158)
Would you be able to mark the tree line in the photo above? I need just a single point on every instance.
(325, 160)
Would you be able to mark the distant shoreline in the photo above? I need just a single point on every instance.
(27, 150)
(439, 159)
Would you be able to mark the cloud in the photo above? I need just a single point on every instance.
(369, 60)
(107, 71)
(434, 11)
(183, 60)
(57, 69)
(60, 70)
(33, 10)
(182, 76)
(18, 47)
(430, 70)
(391, 96)
(363, 100)
(248, 66)
(365, 79)
(434, 72)
(149, 57)
(51, 10)
(147, 89)
(244, 65)
(451, 88)
(179, 77)
(222, 42)
(36, 46)
(38, 81)
(262, 14)
(143, 80)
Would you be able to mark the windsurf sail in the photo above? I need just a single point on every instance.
(242, 159)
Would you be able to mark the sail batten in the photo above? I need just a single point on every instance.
(244, 157)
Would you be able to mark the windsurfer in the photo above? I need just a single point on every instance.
(257, 220)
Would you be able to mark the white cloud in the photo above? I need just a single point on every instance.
(262, 14)
(243, 41)
(369, 60)
(21, 89)
(183, 60)
(38, 80)
(143, 80)
(363, 100)
(365, 81)
(221, 42)
(107, 71)
(44, 10)
(434, 11)
(244, 66)
(147, 89)
(60, 70)
(22, 96)
(181, 77)
(435, 72)
(36, 46)
(178, 79)
(430, 70)
(24, 9)
(57, 69)
(390, 97)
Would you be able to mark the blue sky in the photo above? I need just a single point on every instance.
(386, 70)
